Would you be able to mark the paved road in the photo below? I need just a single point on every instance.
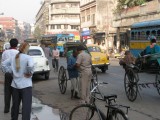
(146, 106)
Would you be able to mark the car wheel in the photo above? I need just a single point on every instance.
(47, 75)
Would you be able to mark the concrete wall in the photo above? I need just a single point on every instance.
(146, 12)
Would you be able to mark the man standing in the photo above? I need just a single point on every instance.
(73, 75)
(84, 64)
(47, 51)
(21, 66)
(55, 59)
(8, 76)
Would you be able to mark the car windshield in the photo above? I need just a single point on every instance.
(34, 52)
(94, 49)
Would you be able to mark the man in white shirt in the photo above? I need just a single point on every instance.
(8, 76)
(22, 68)
(55, 58)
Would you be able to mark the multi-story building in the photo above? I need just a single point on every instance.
(63, 16)
(96, 16)
(9, 25)
(42, 18)
(14, 28)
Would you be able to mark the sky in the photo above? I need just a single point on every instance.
(22, 10)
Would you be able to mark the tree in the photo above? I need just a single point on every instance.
(37, 33)
(129, 3)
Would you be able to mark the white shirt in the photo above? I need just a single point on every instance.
(19, 80)
(55, 53)
(8, 53)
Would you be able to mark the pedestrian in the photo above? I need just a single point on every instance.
(12, 51)
(127, 60)
(47, 51)
(21, 65)
(84, 64)
(73, 75)
(55, 58)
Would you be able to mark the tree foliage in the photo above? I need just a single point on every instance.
(37, 33)
(129, 3)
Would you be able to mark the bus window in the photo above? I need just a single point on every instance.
(147, 34)
(139, 35)
(136, 36)
(153, 32)
(132, 36)
(142, 36)
(158, 34)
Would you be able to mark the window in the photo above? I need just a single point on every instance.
(52, 26)
(93, 19)
(58, 26)
(34, 52)
(83, 19)
(94, 49)
(158, 34)
(88, 17)
(132, 35)
(65, 26)
(142, 35)
(74, 26)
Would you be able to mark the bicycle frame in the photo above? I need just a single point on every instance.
(108, 99)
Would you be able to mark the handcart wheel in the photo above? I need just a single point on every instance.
(158, 82)
(130, 84)
(62, 79)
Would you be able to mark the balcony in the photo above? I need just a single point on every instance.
(64, 11)
(65, 21)
(59, 1)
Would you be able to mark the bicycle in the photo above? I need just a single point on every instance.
(90, 111)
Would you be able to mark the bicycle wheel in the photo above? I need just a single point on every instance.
(86, 112)
(94, 79)
(130, 84)
(157, 82)
(117, 115)
(62, 80)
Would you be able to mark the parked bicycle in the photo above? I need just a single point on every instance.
(90, 111)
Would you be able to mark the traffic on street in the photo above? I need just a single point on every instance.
(80, 60)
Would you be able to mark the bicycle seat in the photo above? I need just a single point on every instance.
(106, 97)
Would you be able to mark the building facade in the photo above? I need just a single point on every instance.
(97, 16)
(14, 28)
(63, 16)
(42, 18)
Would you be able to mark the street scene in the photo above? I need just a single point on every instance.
(80, 60)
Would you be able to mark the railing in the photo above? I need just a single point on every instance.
(64, 11)
(57, 1)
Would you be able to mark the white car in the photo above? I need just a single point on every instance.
(41, 62)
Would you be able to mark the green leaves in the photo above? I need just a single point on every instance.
(122, 4)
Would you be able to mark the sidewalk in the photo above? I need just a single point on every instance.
(3, 116)
(39, 111)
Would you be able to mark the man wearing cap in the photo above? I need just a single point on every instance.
(83, 63)
(8, 76)
(21, 65)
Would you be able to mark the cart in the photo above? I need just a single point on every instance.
(62, 74)
(147, 63)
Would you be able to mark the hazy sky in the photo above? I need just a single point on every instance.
(24, 10)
